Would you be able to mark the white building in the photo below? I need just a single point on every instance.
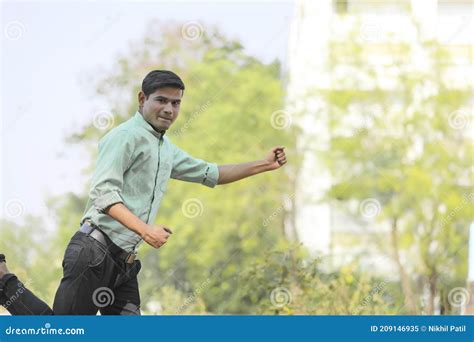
(315, 24)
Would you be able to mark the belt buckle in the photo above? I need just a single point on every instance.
(90, 224)
(130, 258)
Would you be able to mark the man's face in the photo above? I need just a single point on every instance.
(161, 108)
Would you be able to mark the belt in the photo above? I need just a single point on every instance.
(94, 231)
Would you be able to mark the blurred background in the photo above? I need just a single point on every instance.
(372, 99)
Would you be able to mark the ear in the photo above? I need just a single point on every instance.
(141, 98)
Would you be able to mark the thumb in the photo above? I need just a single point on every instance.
(277, 148)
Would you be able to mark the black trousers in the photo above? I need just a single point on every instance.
(93, 280)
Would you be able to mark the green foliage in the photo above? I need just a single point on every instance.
(398, 143)
(290, 282)
(234, 256)
(31, 255)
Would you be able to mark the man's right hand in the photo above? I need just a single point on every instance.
(156, 235)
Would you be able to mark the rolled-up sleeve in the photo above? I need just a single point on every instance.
(190, 169)
(115, 156)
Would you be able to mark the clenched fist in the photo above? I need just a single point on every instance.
(156, 235)
(276, 157)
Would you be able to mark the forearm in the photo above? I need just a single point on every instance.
(234, 172)
(122, 214)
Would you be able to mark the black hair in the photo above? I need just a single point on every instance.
(157, 79)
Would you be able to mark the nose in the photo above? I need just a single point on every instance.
(168, 108)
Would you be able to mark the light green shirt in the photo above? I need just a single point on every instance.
(134, 165)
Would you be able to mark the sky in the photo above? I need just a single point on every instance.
(48, 51)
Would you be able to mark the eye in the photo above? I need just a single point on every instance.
(163, 101)
(176, 103)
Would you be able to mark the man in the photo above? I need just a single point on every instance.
(134, 164)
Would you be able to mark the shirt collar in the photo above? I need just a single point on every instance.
(140, 120)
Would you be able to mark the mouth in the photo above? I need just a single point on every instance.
(164, 119)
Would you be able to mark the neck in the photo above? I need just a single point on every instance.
(162, 131)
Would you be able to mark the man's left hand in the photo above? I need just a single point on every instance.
(276, 158)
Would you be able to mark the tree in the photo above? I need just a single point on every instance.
(398, 135)
(225, 118)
